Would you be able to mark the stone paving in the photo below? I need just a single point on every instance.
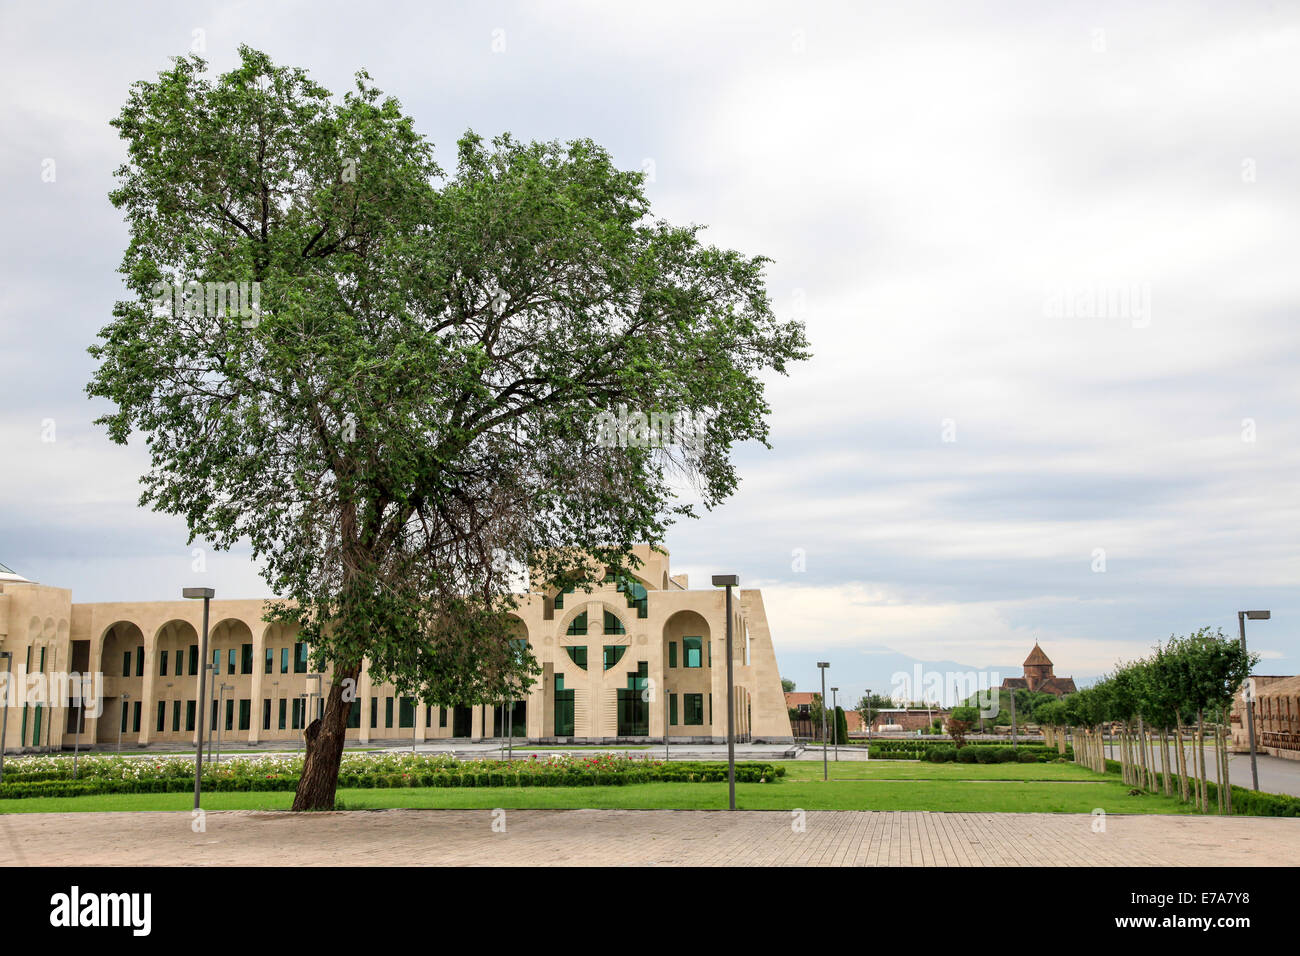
(643, 838)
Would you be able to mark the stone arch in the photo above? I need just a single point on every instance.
(122, 688)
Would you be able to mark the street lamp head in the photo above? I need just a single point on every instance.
(6, 655)
(823, 664)
(726, 580)
(198, 593)
(1258, 615)
(836, 689)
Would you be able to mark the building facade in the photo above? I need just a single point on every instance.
(633, 657)
(1277, 717)
(1040, 676)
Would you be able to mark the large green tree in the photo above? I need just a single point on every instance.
(418, 407)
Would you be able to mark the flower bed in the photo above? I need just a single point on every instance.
(46, 776)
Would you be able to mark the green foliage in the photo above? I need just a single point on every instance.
(411, 418)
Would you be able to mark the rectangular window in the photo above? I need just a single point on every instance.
(212, 723)
(162, 716)
(297, 713)
(613, 653)
(693, 705)
(230, 713)
(216, 661)
(162, 663)
(176, 716)
(141, 652)
(190, 715)
(300, 658)
(563, 708)
(672, 710)
(270, 661)
(442, 716)
(139, 661)
(126, 663)
(388, 712)
(354, 714)
(245, 713)
(406, 712)
(284, 660)
(266, 713)
(194, 660)
(710, 709)
(428, 716)
(282, 711)
(246, 658)
(374, 712)
(672, 653)
(135, 718)
(125, 711)
(230, 661)
(693, 651)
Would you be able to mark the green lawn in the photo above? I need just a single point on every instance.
(955, 794)
(923, 770)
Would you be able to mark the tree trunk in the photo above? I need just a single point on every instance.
(1227, 781)
(1182, 761)
(1165, 765)
(325, 736)
(1203, 797)
(1144, 771)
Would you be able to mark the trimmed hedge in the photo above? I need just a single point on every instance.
(947, 753)
(448, 775)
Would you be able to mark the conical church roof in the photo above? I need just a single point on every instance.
(1037, 658)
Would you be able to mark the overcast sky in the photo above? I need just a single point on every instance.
(1048, 261)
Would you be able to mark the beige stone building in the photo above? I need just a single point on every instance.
(1277, 717)
(618, 663)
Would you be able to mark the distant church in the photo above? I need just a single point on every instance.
(1039, 676)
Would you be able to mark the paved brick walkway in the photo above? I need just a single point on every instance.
(643, 837)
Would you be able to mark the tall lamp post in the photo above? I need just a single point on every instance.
(730, 581)
(4, 721)
(1242, 616)
(869, 719)
(306, 707)
(81, 716)
(212, 728)
(821, 666)
(835, 716)
(206, 594)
